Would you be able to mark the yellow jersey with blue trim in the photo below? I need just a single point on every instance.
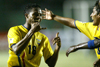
(37, 47)
(91, 31)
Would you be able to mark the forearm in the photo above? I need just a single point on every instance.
(20, 46)
(89, 45)
(66, 21)
(55, 55)
(97, 43)
(53, 59)
(82, 46)
(86, 45)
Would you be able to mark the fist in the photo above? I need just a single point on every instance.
(57, 40)
(70, 50)
(36, 27)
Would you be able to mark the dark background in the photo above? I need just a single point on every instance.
(12, 12)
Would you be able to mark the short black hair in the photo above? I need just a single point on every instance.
(97, 5)
(30, 6)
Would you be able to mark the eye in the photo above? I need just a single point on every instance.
(35, 14)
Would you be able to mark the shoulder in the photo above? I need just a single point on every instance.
(13, 29)
(83, 22)
(77, 22)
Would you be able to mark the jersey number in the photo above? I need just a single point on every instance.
(33, 50)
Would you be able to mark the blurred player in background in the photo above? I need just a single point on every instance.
(91, 30)
(27, 45)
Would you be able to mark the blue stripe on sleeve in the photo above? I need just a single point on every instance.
(75, 24)
(12, 45)
(19, 60)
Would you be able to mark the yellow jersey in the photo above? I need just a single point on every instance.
(91, 31)
(37, 47)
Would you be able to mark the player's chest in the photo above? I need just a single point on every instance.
(34, 47)
(35, 41)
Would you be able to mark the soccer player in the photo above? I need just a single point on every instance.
(27, 45)
(91, 30)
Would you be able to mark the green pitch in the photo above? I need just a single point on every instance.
(77, 59)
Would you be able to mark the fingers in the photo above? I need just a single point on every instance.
(43, 14)
(43, 28)
(43, 17)
(37, 26)
(47, 14)
(56, 39)
(34, 24)
(54, 42)
(68, 52)
(57, 34)
(44, 11)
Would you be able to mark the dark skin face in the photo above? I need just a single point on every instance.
(34, 16)
(95, 17)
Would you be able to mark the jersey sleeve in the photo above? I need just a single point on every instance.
(83, 27)
(13, 37)
(47, 52)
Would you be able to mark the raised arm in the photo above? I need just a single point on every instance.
(20, 46)
(53, 59)
(48, 15)
(86, 45)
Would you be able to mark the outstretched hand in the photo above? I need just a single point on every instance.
(48, 15)
(57, 40)
(70, 50)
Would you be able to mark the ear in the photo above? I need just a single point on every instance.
(26, 15)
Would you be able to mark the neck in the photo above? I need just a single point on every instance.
(28, 26)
